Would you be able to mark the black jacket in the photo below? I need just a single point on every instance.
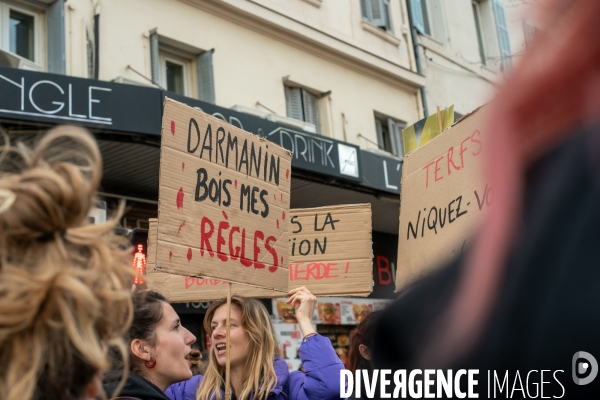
(136, 387)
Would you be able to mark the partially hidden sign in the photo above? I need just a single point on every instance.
(331, 250)
(224, 199)
(443, 197)
(330, 253)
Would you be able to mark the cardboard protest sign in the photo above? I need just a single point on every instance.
(180, 288)
(330, 253)
(423, 131)
(224, 198)
(443, 196)
(331, 250)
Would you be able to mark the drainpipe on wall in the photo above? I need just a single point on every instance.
(413, 35)
(97, 46)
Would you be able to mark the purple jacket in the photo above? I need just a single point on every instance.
(321, 380)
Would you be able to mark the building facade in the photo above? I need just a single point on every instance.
(335, 82)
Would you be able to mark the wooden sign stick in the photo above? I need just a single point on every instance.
(227, 344)
(439, 115)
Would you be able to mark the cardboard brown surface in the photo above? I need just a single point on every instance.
(342, 265)
(180, 288)
(331, 250)
(443, 197)
(224, 198)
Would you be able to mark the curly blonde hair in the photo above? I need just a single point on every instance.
(64, 284)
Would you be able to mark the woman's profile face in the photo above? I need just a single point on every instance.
(173, 344)
(239, 340)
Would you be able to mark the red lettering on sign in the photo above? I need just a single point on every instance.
(223, 225)
(189, 281)
(384, 275)
(450, 163)
(435, 172)
(313, 271)
(426, 168)
(226, 241)
(193, 281)
(205, 235)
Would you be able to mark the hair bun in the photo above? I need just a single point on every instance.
(53, 186)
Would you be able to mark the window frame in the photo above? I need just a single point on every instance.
(39, 33)
(305, 92)
(428, 17)
(394, 128)
(428, 28)
(188, 67)
(477, 16)
(365, 5)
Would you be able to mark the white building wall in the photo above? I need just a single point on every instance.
(325, 48)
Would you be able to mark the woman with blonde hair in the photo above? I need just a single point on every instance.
(64, 284)
(257, 370)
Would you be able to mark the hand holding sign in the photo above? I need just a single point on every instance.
(303, 302)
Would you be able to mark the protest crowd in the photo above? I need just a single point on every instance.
(522, 296)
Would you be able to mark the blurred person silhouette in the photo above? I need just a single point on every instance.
(198, 360)
(64, 284)
(158, 351)
(525, 295)
(361, 349)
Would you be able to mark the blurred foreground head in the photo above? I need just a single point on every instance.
(552, 94)
(64, 284)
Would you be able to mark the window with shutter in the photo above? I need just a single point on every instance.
(479, 31)
(376, 12)
(311, 109)
(392, 134)
(389, 135)
(503, 39)
(379, 131)
(416, 12)
(386, 13)
(205, 78)
(303, 105)
(154, 57)
(365, 9)
(293, 103)
(397, 137)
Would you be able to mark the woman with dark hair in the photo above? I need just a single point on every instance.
(158, 349)
(361, 343)
(361, 348)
